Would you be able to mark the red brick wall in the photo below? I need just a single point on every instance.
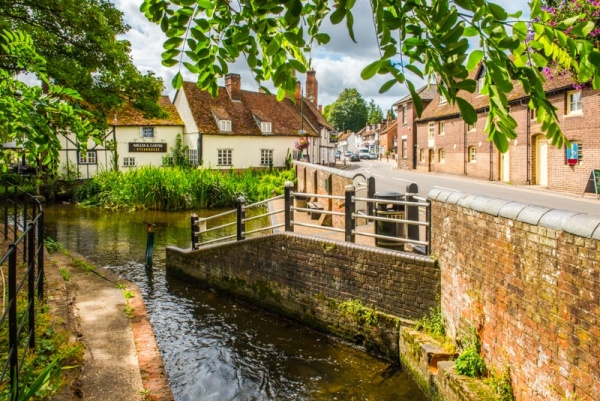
(583, 127)
(530, 291)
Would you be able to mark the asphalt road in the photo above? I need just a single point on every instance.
(389, 178)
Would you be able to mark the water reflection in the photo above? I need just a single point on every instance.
(216, 348)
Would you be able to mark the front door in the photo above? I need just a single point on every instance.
(541, 161)
(505, 167)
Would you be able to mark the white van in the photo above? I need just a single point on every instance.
(363, 153)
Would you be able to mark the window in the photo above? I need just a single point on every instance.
(431, 131)
(442, 128)
(147, 132)
(443, 99)
(88, 157)
(441, 156)
(224, 157)
(472, 154)
(481, 80)
(192, 155)
(574, 102)
(533, 114)
(422, 155)
(129, 162)
(266, 157)
(404, 114)
(405, 149)
(225, 125)
(265, 127)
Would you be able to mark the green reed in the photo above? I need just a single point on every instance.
(175, 188)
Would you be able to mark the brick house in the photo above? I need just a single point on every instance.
(131, 140)
(445, 144)
(407, 128)
(243, 129)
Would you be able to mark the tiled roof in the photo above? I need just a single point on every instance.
(427, 92)
(436, 110)
(247, 113)
(129, 115)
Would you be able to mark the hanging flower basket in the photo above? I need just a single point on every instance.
(301, 143)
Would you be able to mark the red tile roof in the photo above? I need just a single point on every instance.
(435, 110)
(130, 116)
(247, 114)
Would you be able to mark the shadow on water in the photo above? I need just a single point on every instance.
(216, 348)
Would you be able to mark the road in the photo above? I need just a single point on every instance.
(389, 178)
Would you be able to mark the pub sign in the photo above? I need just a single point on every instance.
(147, 147)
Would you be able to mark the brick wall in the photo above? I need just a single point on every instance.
(297, 275)
(528, 280)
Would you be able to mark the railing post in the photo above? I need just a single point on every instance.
(40, 254)
(288, 212)
(194, 230)
(412, 212)
(12, 322)
(428, 229)
(6, 211)
(240, 205)
(31, 283)
(349, 208)
(370, 195)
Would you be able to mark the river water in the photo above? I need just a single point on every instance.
(215, 348)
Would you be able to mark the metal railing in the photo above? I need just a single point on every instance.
(406, 220)
(24, 231)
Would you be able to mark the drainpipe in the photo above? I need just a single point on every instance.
(491, 161)
(465, 155)
(199, 146)
(528, 150)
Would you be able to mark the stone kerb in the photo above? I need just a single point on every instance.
(527, 279)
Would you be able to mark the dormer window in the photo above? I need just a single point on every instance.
(225, 125)
(265, 127)
(147, 132)
(481, 79)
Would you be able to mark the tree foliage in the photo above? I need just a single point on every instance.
(349, 111)
(374, 112)
(79, 40)
(430, 37)
(29, 117)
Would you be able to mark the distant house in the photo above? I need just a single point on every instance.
(377, 137)
(131, 141)
(445, 143)
(407, 128)
(242, 129)
(388, 137)
(348, 142)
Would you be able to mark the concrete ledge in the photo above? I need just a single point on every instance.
(433, 369)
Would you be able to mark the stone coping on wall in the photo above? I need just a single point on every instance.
(580, 224)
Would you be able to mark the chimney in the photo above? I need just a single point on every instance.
(298, 94)
(312, 87)
(234, 86)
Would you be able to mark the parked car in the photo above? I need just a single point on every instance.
(338, 154)
(348, 153)
(363, 153)
(354, 157)
(372, 156)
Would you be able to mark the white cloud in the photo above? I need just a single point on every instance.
(337, 66)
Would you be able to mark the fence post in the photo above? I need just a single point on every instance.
(6, 195)
(31, 282)
(349, 209)
(288, 212)
(194, 230)
(13, 346)
(428, 229)
(370, 195)
(40, 255)
(412, 212)
(240, 205)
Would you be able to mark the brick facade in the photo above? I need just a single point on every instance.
(527, 279)
(467, 151)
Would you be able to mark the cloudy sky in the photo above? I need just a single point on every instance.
(337, 66)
